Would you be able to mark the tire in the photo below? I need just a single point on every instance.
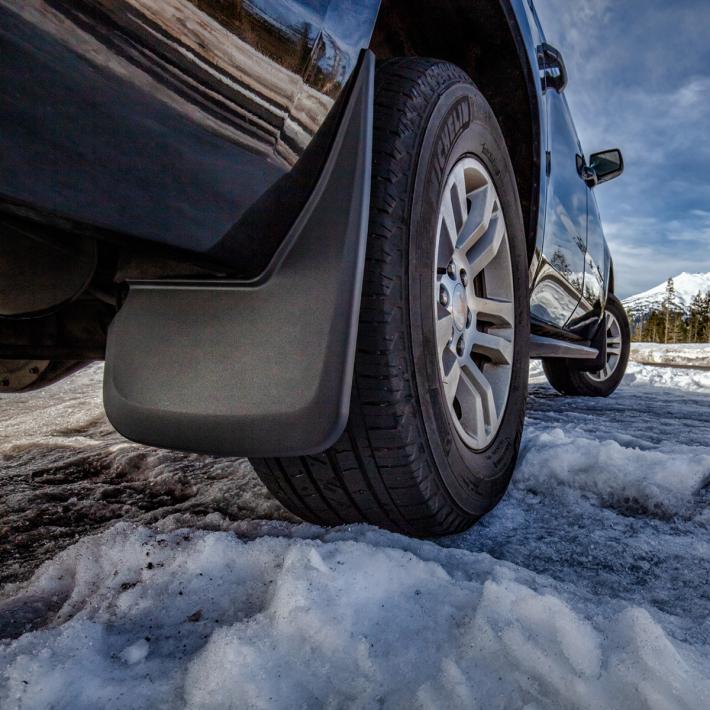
(402, 463)
(601, 384)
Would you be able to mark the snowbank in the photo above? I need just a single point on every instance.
(680, 378)
(352, 617)
(694, 354)
(653, 483)
(671, 377)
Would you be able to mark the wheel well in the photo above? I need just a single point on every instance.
(469, 33)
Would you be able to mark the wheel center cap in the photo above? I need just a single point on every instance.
(459, 307)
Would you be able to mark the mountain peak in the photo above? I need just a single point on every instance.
(687, 286)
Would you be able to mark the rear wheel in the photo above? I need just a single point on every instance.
(604, 382)
(441, 368)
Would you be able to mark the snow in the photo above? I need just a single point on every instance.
(591, 467)
(65, 472)
(686, 286)
(587, 587)
(136, 652)
(690, 380)
(692, 354)
(694, 378)
(352, 617)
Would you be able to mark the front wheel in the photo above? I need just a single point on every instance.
(604, 382)
(441, 368)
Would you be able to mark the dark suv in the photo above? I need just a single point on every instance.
(324, 234)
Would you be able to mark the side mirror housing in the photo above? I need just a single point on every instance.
(607, 165)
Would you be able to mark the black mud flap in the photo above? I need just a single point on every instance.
(598, 342)
(261, 368)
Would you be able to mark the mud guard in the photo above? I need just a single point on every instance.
(260, 368)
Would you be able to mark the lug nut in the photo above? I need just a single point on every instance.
(460, 347)
(444, 297)
(451, 270)
(464, 278)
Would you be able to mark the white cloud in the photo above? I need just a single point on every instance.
(648, 250)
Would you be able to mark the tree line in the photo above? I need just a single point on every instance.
(671, 324)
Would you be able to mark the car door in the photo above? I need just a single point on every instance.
(560, 279)
(597, 261)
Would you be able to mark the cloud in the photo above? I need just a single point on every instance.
(638, 85)
(648, 250)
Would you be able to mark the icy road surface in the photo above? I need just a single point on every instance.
(588, 587)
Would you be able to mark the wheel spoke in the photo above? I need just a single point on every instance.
(447, 242)
(479, 217)
(495, 347)
(444, 331)
(485, 249)
(480, 396)
(494, 310)
(459, 203)
(451, 382)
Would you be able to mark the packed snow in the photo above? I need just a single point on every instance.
(588, 586)
(688, 379)
(687, 286)
(680, 354)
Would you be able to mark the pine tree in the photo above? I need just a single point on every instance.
(636, 326)
(695, 318)
(699, 318)
(671, 313)
(653, 327)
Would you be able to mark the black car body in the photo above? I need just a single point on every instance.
(166, 162)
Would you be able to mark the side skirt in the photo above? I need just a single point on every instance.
(542, 347)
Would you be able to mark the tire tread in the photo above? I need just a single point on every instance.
(388, 478)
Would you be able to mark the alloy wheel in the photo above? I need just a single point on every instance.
(613, 349)
(474, 303)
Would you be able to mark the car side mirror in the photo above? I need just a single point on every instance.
(552, 66)
(607, 165)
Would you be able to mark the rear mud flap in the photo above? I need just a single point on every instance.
(263, 368)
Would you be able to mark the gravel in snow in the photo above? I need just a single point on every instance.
(588, 587)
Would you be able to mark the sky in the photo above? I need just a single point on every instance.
(639, 73)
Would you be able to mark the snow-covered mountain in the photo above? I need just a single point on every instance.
(686, 287)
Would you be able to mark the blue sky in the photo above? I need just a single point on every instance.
(640, 80)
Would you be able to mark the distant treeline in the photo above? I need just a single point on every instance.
(671, 324)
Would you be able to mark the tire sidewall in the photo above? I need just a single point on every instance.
(462, 124)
